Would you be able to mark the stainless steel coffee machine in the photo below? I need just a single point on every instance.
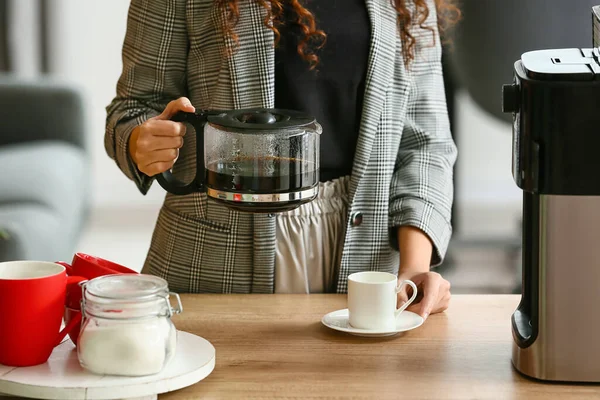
(555, 101)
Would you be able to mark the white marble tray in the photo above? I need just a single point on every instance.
(63, 378)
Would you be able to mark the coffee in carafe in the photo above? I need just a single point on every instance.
(262, 175)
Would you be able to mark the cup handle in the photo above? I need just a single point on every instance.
(412, 298)
(74, 323)
(67, 267)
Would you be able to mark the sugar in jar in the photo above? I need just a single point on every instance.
(127, 328)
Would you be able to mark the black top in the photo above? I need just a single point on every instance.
(333, 93)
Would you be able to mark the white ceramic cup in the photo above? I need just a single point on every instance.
(372, 298)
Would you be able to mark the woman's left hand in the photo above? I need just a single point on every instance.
(433, 294)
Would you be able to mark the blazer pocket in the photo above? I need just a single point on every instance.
(190, 253)
(204, 222)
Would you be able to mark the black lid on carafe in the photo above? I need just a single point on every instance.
(261, 119)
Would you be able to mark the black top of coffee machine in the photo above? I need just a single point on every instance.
(556, 101)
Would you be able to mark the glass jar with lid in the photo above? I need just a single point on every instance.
(127, 328)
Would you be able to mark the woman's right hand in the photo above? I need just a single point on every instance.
(154, 145)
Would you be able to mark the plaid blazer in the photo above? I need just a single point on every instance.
(402, 172)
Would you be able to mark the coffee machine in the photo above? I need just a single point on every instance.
(555, 101)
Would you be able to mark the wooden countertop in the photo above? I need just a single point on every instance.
(274, 346)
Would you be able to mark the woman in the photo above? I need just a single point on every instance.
(368, 70)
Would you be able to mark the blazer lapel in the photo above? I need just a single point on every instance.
(379, 75)
(252, 66)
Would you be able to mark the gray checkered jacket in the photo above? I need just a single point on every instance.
(402, 172)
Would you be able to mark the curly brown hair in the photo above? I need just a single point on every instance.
(447, 11)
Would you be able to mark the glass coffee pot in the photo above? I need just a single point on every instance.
(253, 160)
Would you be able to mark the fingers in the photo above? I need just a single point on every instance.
(157, 141)
(435, 294)
(414, 307)
(444, 303)
(167, 155)
(157, 168)
(431, 288)
(157, 146)
(153, 143)
(156, 127)
(445, 296)
(158, 161)
(175, 106)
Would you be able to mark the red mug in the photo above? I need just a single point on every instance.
(89, 267)
(92, 267)
(32, 303)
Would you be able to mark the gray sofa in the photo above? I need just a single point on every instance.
(44, 170)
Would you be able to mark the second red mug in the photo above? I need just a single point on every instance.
(89, 267)
(32, 303)
(92, 267)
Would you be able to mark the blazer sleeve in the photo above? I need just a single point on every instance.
(154, 59)
(421, 192)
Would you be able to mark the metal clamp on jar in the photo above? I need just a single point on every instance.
(127, 328)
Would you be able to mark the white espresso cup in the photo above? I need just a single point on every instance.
(372, 299)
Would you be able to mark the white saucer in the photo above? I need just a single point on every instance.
(338, 320)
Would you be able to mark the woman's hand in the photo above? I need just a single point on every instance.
(154, 145)
(433, 292)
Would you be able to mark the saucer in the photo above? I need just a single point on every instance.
(338, 320)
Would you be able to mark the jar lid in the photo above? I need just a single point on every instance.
(126, 286)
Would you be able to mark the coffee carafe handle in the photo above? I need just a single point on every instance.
(166, 179)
